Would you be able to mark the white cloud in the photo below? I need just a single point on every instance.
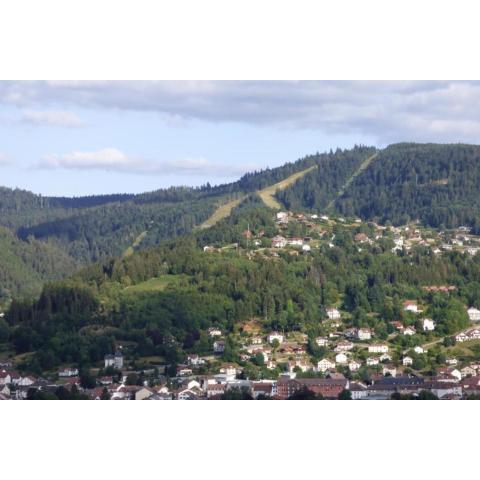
(112, 159)
(382, 110)
(55, 118)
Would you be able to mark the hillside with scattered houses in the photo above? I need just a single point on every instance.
(264, 304)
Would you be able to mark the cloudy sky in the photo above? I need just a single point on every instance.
(76, 138)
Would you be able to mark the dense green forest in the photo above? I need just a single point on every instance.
(26, 265)
(437, 184)
(321, 186)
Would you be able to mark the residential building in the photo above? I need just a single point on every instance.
(473, 314)
(364, 333)
(333, 314)
(378, 348)
(275, 336)
(428, 325)
(325, 364)
(410, 306)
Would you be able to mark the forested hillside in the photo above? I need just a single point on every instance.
(26, 265)
(162, 301)
(319, 187)
(437, 184)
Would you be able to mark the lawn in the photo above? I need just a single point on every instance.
(156, 284)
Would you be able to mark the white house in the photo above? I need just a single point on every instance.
(343, 346)
(358, 390)
(428, 325)
(468, 371)
(306, 248)
(282, 216)
(115, 361)
(473, 314)
(409, 331)
(333, 314)
(187, 394)
(68, 372)
(364, 334)
(214, 332)
(25, 381)
(451, 361)
(410, 306)
(275, 336)
(407, 361)
(419, 349)
(5, 377)
(354, 365)
(295, 241)
(325, 364)
(279, 242)
(194, 360)
(461, 337)
(219, 346)
(372, 361)
(341, 358)
(321, 341)
(378, 348)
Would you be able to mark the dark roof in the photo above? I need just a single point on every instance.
(401, 380)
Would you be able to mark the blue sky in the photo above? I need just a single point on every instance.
(80, 138)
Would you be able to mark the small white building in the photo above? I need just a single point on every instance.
(410, 306)
(194, 360)
(325, 364)
(341, 358)
(372, 361)
(418, 349)
(333, 314)
(407, 361)
(295, 241)
(115, 361)
(409, 331)
(275, 336)
(473, 314)
(219, 346)
(279, 242)
(344, 346)
(461, 337)
(214, 332)
(353, 365)
(428, 325)
(68, 372)
(322, 341)
(378, 348)
(364, 334)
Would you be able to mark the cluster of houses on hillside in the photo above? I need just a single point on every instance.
(319, 226)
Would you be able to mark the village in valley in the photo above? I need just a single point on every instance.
(410, 359)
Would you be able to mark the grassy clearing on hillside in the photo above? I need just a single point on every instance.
(154, 284)
(131, 249)
(268, 194)
(359, 170)
(223, 211)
